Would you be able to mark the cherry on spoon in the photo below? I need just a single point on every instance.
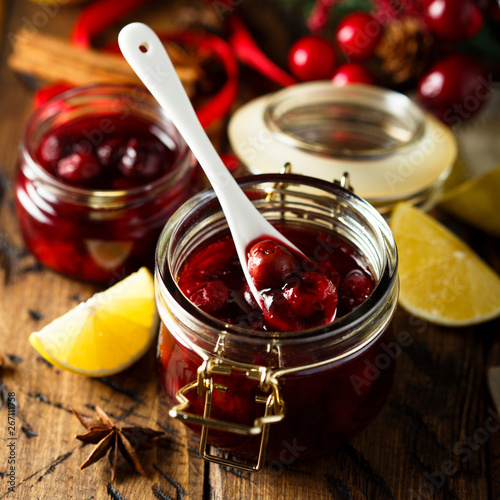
(147, 56)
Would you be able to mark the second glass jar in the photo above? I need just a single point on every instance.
(99, 235)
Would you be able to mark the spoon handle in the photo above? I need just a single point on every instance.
(147, 56)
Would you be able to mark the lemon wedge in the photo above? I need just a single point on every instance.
(107, 333)
(441, 279)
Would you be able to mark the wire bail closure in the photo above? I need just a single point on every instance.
(204, 384)
(344, 182)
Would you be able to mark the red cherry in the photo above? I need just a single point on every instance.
(314, 297)
(270, 263)
(142, 161)
(211, 263)
(110, 151)
(357, 35)
(355, 289)
(51, 149)
(210, 296)
(453, 19)
(312, 58)
(352, 73)
(78, 168)
(454, 88)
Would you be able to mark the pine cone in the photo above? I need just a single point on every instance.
(404, 50)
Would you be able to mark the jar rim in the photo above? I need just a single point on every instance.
(108, 197)
(414, 172)
(400, 122)
(386, 282)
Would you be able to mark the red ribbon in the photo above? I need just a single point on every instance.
(102, 14)
(98, 16)
(221, 103)
(47, 92)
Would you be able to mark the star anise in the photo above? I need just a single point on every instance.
(104, 433)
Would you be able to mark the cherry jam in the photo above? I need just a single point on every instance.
(330, 380)
(101, 169)
(292, 291)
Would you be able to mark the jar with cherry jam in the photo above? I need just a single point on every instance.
(255, 393)
(101, 170)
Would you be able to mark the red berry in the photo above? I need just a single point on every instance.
(455, 88)
(270, 263)
(453, 19)
(314, 297)
(51, 149)
(355, 289)
(110, 151)
(213, 262)
(142, 161)
(357, 35)
(211, 296)
(78, 168)
(312, 58)
(352, 73)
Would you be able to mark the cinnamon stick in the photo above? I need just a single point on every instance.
(52, 59)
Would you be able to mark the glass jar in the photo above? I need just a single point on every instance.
(99, 235)
(265, 396)
(392, 149)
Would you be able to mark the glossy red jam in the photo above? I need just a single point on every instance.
(100, 172)
(292, 291)
(296, 292)
(325, 405)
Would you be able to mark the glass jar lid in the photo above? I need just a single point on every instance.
(392, 149)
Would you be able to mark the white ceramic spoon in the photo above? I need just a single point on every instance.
(147, 56)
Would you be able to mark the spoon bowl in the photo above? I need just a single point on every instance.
(147, 56)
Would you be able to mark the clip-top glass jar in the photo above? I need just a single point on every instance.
(254, 393)
(100, 234)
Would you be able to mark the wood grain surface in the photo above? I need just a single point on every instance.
(435, 437)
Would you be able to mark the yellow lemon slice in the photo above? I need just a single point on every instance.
(442, 280)
(106, 334)
(477, 202)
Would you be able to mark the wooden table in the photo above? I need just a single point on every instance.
(436, 438)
